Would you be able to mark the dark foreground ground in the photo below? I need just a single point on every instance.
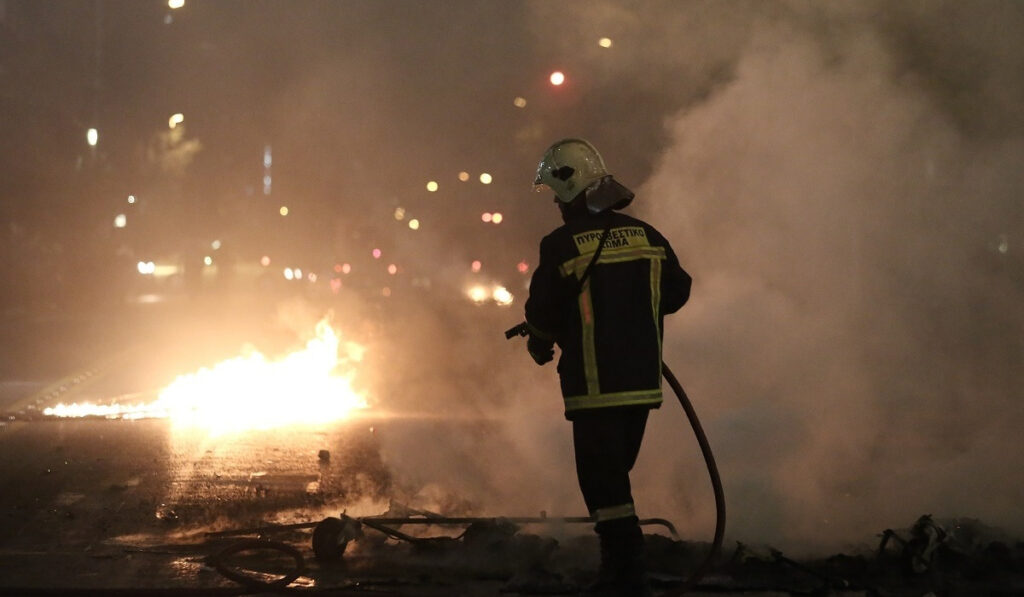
(116, 507)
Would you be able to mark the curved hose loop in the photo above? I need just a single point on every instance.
(250, 582)
(716, 484)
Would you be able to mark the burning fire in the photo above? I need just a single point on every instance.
(310, 386)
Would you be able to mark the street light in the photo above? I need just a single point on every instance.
(92, 136)
(173, 4)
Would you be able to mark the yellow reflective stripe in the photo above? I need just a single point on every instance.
(614, 512)
(589, 347)
(656, 299)
(577, 265)
(637, 397)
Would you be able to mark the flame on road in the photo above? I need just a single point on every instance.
(310, 386)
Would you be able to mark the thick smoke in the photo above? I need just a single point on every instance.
(848, 204)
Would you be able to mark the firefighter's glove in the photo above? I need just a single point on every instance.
(540, 349)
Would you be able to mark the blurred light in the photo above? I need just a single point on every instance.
(502, 296)
(475, 266)
(267, 180)
(283, 210)
(298, 274)
(289, 274)
(399, 213)
(432, 186)
(215, 245)
(485, 178)
(92, 136)
(120, 221)
(335, 285)
(523, 267)
(265, 260)
(385, 291)
(173, 4)
(477, 294)
(414, 224)
(346, 268)
(131, 199)
(267, 159)
(392, 269)
(605, 42)
(337, 268)
(486, 216)
(175, 120)
(496, 218)
(208, 260)
(557, 77)
(1004, 244)
(463, 176)
(312, 277)
(519, 102)
(146, 267)
(376, 253)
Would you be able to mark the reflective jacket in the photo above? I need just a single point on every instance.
(610, 329)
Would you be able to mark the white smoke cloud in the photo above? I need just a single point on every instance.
(853, 339)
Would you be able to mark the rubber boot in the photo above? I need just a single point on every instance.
(622, 571)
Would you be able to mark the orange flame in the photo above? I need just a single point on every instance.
(250, 392)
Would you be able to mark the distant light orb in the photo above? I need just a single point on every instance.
(312, 277)
(519, 102)
(486, 178)
(477, 294)
(120, 221)
(376, 253)
(265, 260)
(486, 216)
(463, 176)
(385, 291)
(298, 274)
(346, 268)
(208, 260)
(289, 274)
(502, 296)
(283, 210)
(175, 120)
(557, 77)
(414, 224)
(131, 199)
(496, 218)
(605, 42)
(475, 266)
(432, 186)
(399, 213)
(92, 137)
(392, 269)
(175, 4)
(523, 267)
(215, 245)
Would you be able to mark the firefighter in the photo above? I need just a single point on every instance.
(602, 287)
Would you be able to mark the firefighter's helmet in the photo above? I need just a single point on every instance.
(568, 168)
(572, 166)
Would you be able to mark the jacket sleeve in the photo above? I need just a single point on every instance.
(675, 283)
(547, 304)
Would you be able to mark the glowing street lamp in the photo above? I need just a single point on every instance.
(557, 78)
(92, 136)
(175, 4)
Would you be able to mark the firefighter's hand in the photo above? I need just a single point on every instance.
(540, 349)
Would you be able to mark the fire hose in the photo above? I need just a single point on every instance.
(709, 460)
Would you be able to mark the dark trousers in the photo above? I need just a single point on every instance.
(607, 441)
